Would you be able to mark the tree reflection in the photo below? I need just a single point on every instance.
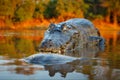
(112, 39)
(21, 67)
(25, 71)
(17, 44)
(7, 46)
(24, 46)
(15, 47)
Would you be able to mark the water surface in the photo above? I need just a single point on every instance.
(99, 65)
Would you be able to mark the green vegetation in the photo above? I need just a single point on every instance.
(21, 10)
(24, 11)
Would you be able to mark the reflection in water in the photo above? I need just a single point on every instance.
(19, 67)
(95, 65)
(89, 64)
(88, 52)
(19, 44)
(112, 38)
(63, 69)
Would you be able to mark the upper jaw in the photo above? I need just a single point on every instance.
(56, 48)
(52, 50)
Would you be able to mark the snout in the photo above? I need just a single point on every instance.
(48, 46)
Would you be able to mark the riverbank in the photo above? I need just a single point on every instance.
(43, 24)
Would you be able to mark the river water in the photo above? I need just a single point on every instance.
(100, 65)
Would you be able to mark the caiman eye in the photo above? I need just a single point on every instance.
(65, 27)
(51, 26)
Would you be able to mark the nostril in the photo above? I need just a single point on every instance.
(50, 45)
(50, 40)
(43, 45)
(47, 44)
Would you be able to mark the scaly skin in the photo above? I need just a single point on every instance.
(70, 35)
